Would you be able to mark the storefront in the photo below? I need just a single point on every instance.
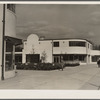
(69, 57)
(8, 40)
(10, 52)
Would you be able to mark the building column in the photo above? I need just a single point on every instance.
(4, 56)
(13, 57)
(23, 57)
(87, 59)
(90, 59)
(52, 52)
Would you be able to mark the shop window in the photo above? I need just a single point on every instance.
(95, 58)
(8, 65)
(81, 58)
(32, 58)
(11, 7)
(9, 56)
(56, 44)
(9, 47)
(74, 57)
(18, 48)
(18, 59)
(77, 43)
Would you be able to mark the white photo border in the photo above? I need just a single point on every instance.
(49, 94)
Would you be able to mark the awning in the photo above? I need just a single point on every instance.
(14, 41)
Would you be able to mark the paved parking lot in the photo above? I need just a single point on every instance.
(84, 77)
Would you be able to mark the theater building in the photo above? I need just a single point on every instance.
(35, 48)
(8, 40)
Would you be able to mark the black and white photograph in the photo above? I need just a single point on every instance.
(49, 46)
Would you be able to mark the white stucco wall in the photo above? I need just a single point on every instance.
(32, 44)
(10, 30)
(95, 52)
(10, 23)
(69, 50)
(88, 48)
(47, 47)
(38, 47)
(64, 47)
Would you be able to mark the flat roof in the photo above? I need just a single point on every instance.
(68, 39)
(64, 39)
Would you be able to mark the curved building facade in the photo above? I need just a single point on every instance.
(57, 49)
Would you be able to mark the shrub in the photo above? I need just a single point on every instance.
(39, 66)
(25, 66)
(57, 66)
(20, 66)
(46, 66)
(71, 63)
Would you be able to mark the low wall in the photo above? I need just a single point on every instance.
(9, 74)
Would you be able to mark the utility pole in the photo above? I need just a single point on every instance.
(2, 76)
(52, 53)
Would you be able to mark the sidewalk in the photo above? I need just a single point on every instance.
(84, 77)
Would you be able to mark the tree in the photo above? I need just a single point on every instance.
(44, 56)
(33, 50)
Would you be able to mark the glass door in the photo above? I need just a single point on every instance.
(56, 59)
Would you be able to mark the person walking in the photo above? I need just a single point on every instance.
(98, 62)
(62, 63)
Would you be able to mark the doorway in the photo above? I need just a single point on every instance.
(56, 59)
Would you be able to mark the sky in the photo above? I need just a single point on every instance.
(59, 21)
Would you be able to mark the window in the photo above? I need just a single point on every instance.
(74, 57)
(57, 59)
(18, 48)
(96, 47)
(81, 58)
(8, 65)
(32, 58)
(95, 58)
(11, 7)
(56, 44)
(9, 47)
(9, 61)
(18, 58)
(77, 43)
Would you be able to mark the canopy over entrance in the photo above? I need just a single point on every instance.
(13, 40)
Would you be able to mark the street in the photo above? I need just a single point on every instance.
(83, 77)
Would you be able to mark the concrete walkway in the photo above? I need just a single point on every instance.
(84, 77)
